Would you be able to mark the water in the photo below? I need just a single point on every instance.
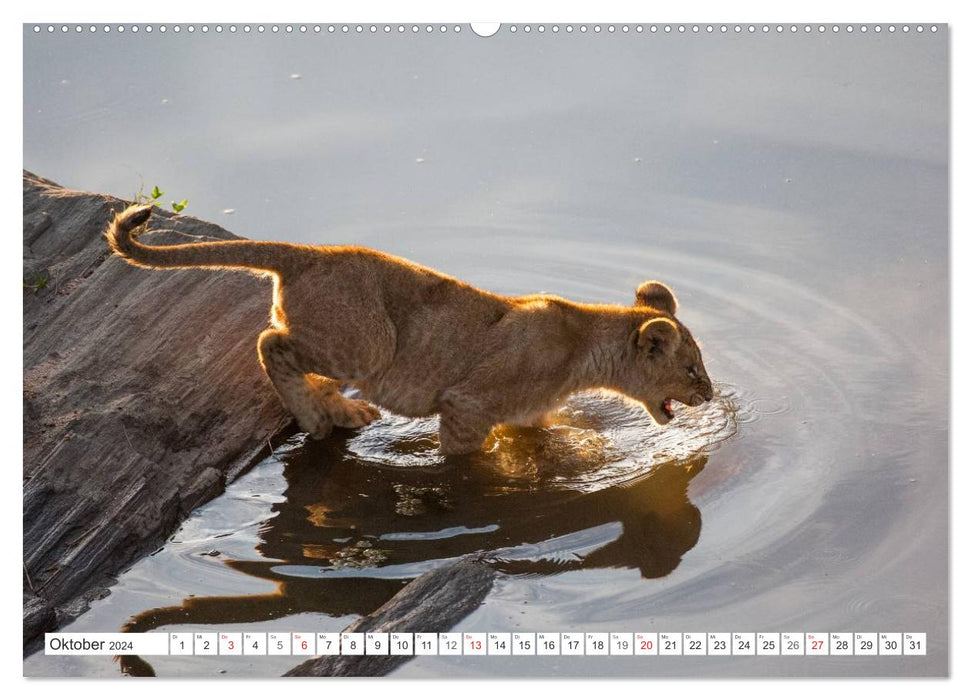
(791, 189)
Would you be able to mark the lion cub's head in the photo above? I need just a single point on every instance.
(667, 363)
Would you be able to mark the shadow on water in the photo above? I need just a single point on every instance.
(353, 527)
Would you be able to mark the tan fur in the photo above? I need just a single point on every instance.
(418, 342)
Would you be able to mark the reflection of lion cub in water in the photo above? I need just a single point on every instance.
(418, 342)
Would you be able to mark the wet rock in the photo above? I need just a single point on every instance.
(416, 500)
(433, 602)
(142, 392)
(359, 555)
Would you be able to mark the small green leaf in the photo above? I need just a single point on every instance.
(179, 206)
(39, 282)
(156, 192)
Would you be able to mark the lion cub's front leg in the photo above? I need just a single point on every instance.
(463, 426)
(314, 400)
(458, 437)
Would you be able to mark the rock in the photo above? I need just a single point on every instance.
(39, 617)
(433, 602)
(142, 393)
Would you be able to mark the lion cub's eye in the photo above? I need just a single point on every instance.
(692, 372)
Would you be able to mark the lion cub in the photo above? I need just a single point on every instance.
(418, 342)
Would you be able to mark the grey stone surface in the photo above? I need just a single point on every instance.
(433, 602)
(142, 391)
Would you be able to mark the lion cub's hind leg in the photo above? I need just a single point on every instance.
(344, 412)
(315, 401)
(281, 363)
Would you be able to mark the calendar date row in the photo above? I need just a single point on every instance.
(491, 643)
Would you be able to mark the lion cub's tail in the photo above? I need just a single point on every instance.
(245, 255)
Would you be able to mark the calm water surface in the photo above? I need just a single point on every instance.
(791, 189)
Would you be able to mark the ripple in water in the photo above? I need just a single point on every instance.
(596, 440)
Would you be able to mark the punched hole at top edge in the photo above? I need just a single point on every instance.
(484, 29)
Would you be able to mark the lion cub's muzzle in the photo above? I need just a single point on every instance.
(705, 394)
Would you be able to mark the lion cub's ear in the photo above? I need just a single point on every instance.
(659, 337)
(658, 296)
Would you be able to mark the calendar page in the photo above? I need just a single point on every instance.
(448, 350)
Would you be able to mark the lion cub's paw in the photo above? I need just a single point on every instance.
(353, 413)
(320, 427)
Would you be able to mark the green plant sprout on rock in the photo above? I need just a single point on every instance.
(154, 196)
(37, 282)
